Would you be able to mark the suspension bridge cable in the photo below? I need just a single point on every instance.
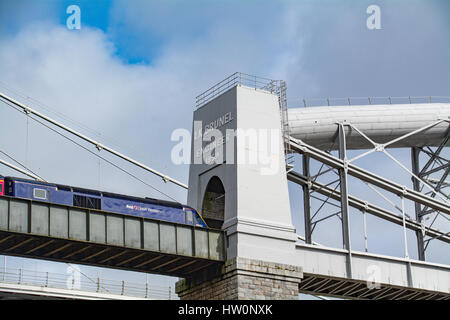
(23, 166)
(97, 144)
(51, 110)
(100, 158)
(97, 155)
(61, 115)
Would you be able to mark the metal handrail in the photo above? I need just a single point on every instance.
(100, 285)
(310, 102)
(237, 79)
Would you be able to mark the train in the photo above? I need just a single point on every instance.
(100, 200)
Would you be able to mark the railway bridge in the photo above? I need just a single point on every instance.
(245, 142)
(106, 239)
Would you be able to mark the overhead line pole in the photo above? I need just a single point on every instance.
(97, 144)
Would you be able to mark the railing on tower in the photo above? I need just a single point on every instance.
(277, 87)
(241, 79)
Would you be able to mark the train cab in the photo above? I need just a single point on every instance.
(193, 218)
(2, 186)
(28, 189)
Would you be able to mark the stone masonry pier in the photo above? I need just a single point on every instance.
(244, 279)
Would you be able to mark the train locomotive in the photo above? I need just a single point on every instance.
(99, 200)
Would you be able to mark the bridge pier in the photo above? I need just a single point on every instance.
(237, 180)
(244, 279)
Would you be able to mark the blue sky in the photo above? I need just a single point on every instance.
(131, 73)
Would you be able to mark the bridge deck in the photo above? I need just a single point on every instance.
(105, 239)
(374, 276)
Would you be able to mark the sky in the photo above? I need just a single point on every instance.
(129, 77)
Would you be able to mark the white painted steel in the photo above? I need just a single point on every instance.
(331, 262)
(25, 172)
(253, 230)
(317, 126)
(25, 291)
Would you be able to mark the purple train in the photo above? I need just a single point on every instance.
(99, 200)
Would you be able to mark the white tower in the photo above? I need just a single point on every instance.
(245, 190)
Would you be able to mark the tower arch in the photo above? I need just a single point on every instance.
(213, 204)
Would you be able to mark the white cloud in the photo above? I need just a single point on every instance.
(79, 74)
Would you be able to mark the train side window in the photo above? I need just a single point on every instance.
(189, 218)
(40, 194)
(1, 187)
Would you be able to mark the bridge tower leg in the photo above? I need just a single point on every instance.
(243, 190)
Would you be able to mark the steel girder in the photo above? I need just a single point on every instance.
(364, 206)
(369, 177)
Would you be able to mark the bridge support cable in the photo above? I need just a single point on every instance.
(100, 158)
(25, 172)
(97, 144)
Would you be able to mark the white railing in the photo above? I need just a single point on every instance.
(312, 102)
(82, 282)
(238, 78)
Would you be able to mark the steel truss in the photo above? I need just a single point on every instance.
(434, 172)
(428, 194)
(351, 289)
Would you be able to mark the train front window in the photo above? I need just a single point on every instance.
(198, 220)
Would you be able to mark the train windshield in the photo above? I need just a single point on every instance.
(199, 221)
(193, 218)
